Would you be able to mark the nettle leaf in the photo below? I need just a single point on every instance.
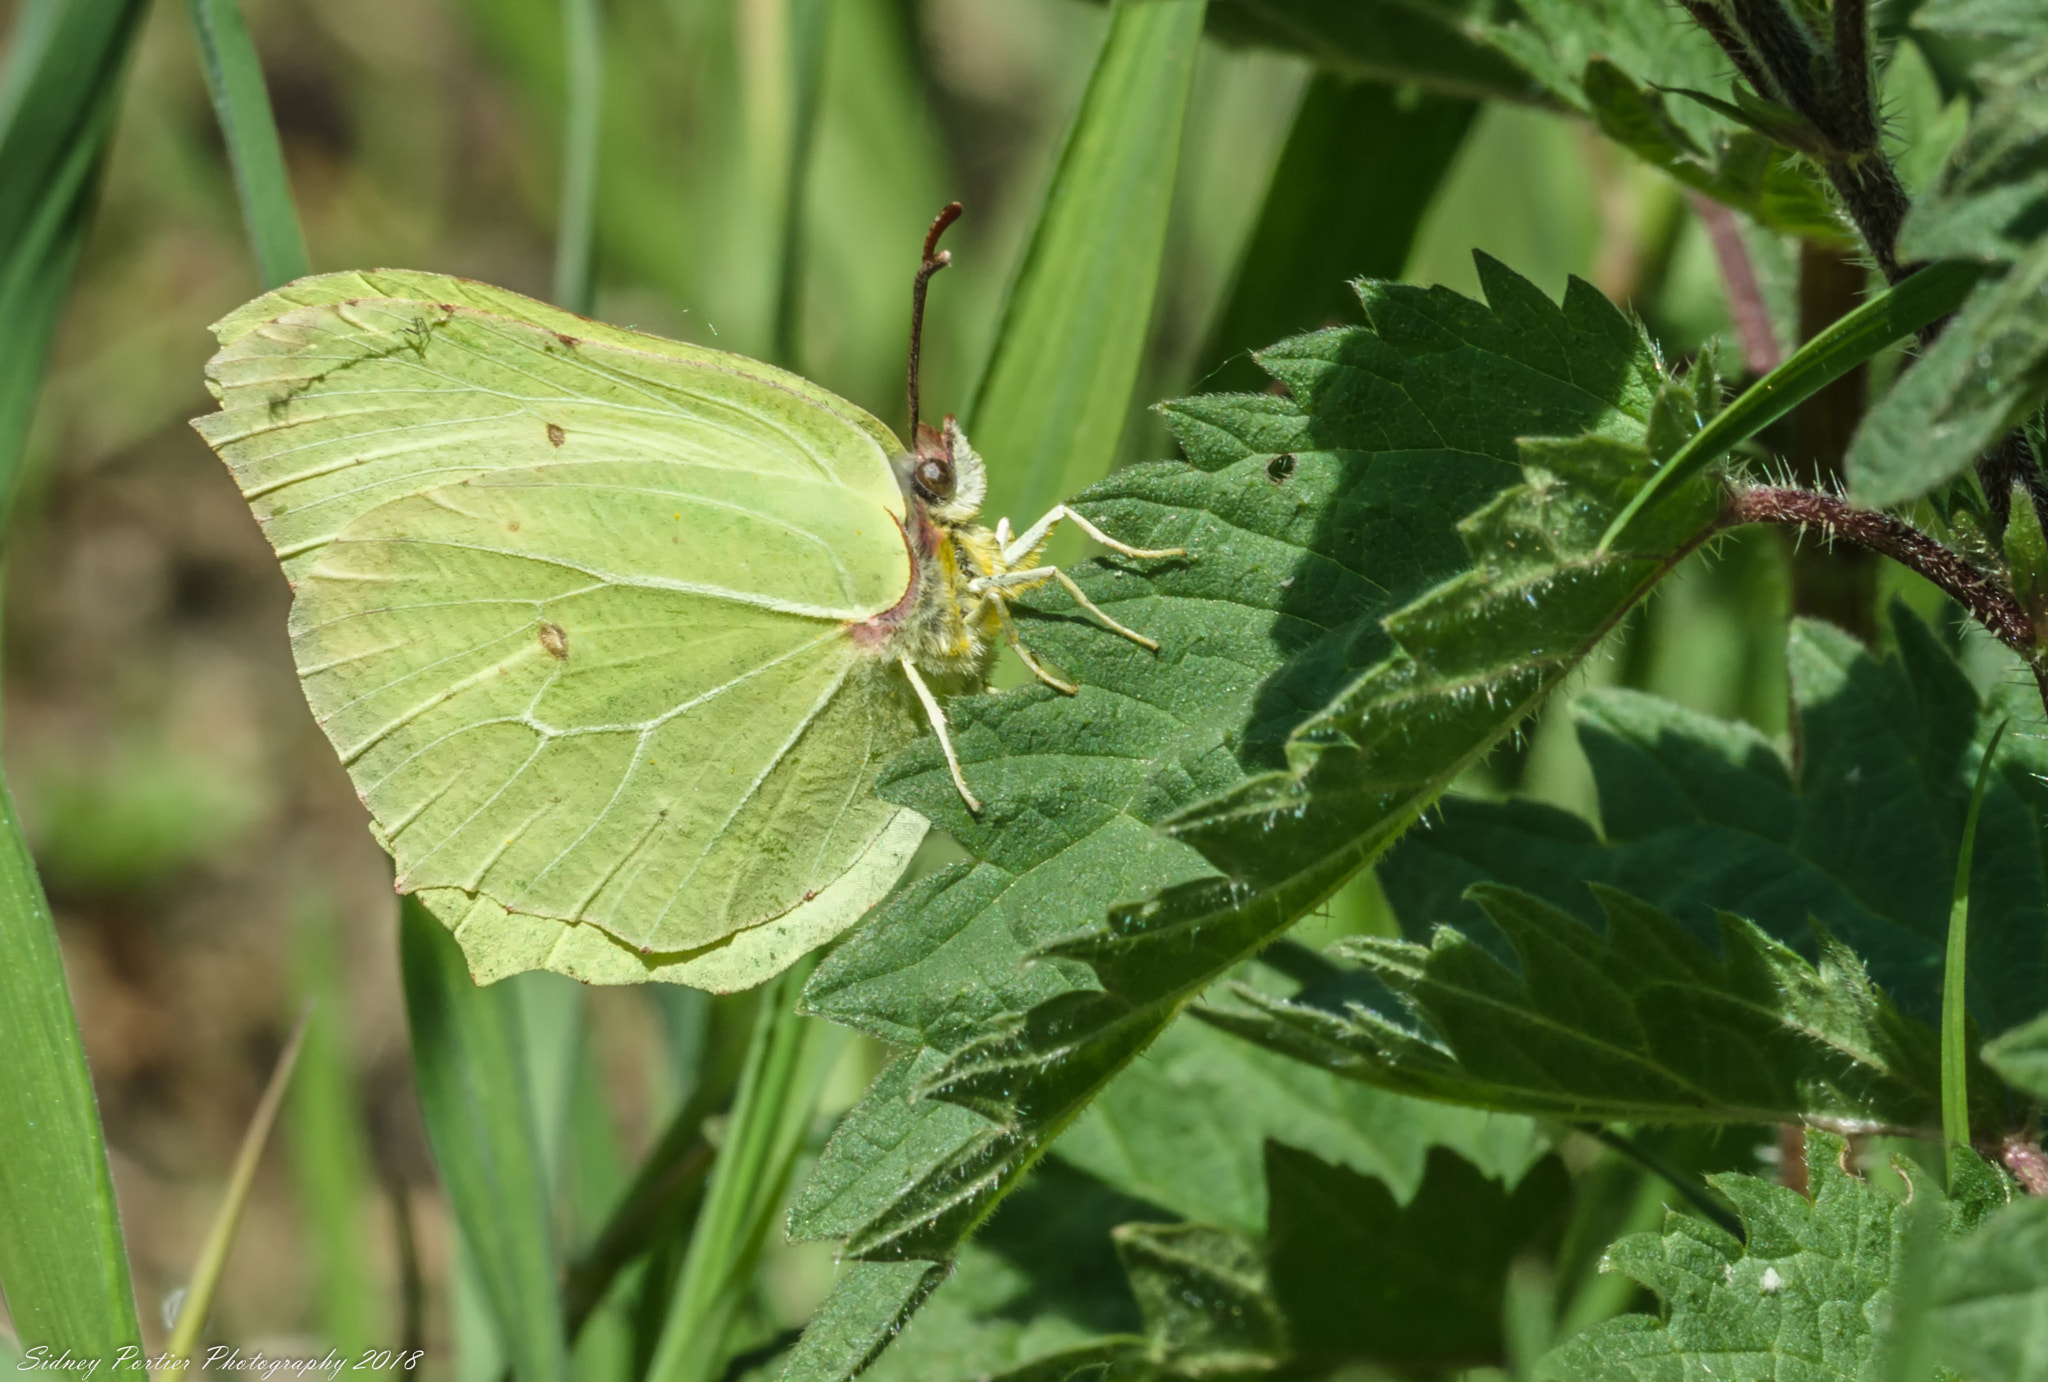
(1209, 1308)
(1415, 1285)
(1602, 58)
(1700, 815)
(1737, 167)
(1641, 1024)
(1806, 1297)
(1991, 200)
(1187, 1128)
(1989, 369)
(2021, 1058)
(1308, 518)
(1988, 1316)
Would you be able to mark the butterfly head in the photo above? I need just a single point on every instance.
(945, 474)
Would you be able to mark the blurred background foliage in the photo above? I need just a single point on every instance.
(204, 853)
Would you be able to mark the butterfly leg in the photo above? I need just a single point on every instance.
(1026, 546)
(937, 716)
(1002, 609)
(1038, 575)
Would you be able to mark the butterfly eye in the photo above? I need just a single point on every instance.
(934, 477)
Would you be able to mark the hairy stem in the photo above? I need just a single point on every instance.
(1838, 585)
(1834, 518)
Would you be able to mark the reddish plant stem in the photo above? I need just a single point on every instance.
(1746, 306)
(1979, 592)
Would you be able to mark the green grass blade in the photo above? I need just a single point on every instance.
(329, 1152)
(1057, 386)
(63, 1267)
(1891, 316)
(220, 1236)
(1361, 165)
(788, 1058)
(1955, 1050)
(473, 1095)
(807, 21)
(575, 245)
(59, 96)
(234, 78)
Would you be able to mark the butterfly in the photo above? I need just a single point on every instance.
(614, 633)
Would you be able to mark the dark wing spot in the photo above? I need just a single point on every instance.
(1281, 468)
(556, 436)
(555, 640)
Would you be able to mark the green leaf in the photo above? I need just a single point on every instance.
(1955, 969)
(1208, 1306)
(1991, 200)
(1702, 814)
(1307, 518)
(1989, 1312)
(582, 127)
(1418, 1285)
(868, 1307)
(1040, 1288)
(1339, 207)
(234, 78)
(59, 95)
(787, 1061)
(325, 1135)
(1805, 1296)
(1055, 392)
(63, 1265)
(473, 1095)
(1744, 169)
(1850, 341)
(1643, 1024)
(2021, 1058)
(1439, 44)
(1987, 372)
(1186, 1128)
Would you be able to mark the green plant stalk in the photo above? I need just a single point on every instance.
(1955, 1050)
(59, 97)
(575, 227)
(1056, 389)
(788, 1058)
(808, 23)
(63, 1265)
(324, 1134)
(220, 1236)
(471, 1077)
(234, 78)
(1925, 297)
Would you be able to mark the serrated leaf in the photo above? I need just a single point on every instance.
(1744, 169)
(1307, 518)
(1641, 1024)
(1040, 1291)
(1991, 200)
(1987, 372)
(1338, 208)
(1597, 57)
(1702, 814)
(1803, 1300)
(1208, 1306)
(1989, 1312)
(1437, 43)
(1186, 1128)
(1419, 1285)
(869, 1305)
(2021, 1058)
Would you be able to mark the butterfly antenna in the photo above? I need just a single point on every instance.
(934, 260)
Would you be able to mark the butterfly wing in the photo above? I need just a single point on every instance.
(572, 607)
